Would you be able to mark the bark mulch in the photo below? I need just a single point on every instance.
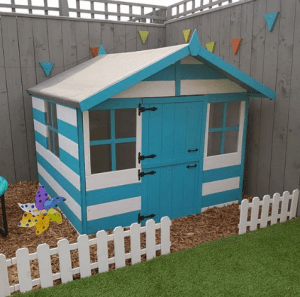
(186, 232)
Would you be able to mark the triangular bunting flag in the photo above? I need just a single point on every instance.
(47, 67)
(235, 44)
(101, 51)
(211, 46)
(94, 51)
(143, 36)
(271, 19)
(187, 34)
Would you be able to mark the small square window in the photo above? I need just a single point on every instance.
(216, 115)
(99, 124)
(231, 141)
(51, 121)
(233, 113)
(125, 123)
(100, 158)
(125, 155)
(214, 143)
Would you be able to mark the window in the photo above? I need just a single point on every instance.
(51, 118)
(223, 129)
(112, 140)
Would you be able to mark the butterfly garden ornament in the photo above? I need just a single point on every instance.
(41, 212)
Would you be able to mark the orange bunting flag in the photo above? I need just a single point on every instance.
(235, 44)
(94, 51)
(211, 46)
(143, 36)
(187, 34)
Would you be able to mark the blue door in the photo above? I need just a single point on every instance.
(173, 134)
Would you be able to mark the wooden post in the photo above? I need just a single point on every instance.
(63, 8)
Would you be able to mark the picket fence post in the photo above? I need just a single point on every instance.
(4, 281)
(135, 243)
(165, 235)
(44, 261)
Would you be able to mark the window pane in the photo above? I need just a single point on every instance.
(56, 145)
(125, 123)
(231, 141)
(125, 154)
(233, 114)
(215, 115)
(99, 124)
(100, 158)
(54, 116)
(214, 143)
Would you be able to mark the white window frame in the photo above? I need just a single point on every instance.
(224, 160)
(112, 178)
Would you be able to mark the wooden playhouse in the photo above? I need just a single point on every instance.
(158, 133)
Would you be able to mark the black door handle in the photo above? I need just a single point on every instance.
(189, 151)
(188, 167)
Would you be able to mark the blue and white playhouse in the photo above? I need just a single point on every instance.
(130, 135)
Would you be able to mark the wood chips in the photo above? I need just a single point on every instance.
(186, 232)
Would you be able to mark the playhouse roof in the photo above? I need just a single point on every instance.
(103, 77)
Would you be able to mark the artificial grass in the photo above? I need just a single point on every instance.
(264, 262)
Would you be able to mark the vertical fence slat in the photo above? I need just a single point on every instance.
(243, 216)
(119, 247)
(135, 243)
(44, 260)
(284, 206)
(265, 211)
(4, 281)
(102, 251)
(165, 235)
(275, 208)
(65, 265)
(84, 256)
(150, 240)
(254, 214)
(24, 273)
(295, 198)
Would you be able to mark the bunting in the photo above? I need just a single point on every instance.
(47, 67)
(235, 44)
(94, 51)
(271, 19)
(187, 34)
(143, 35)
(101, 51)
(211, 46)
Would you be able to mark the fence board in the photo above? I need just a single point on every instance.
(197, 24)
(4, 281)
(82, 41)
(283, 88)
(152, 37)
(107, 37)
(119, 39)
(24, 273)
(131, 36)
(6, 163)
(139, 45)
(165, 235)
(205, 33)
(102, 251)
(150, 240)
(235, 32)
(215, 23)
(254, 213)
(265, 211)
(275, 208)
(94, 36)
(292, 173)
(225, 47)
(69, 44)
(161, 37)
(28, 75)
(44, 260)
(15, 97)
(84, 256)
(135, 243)
(65, 265)
(267, 106)
(119, 247)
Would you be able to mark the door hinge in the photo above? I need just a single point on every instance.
(141, 157)
(142, 109)
(141, 218)
(141, 174)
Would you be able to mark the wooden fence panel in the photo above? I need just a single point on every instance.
(161, 37)
(82, 42)
(205, 34)
(152, 37)
(107, 37)
(131, 37)
(119, 39)
(215, 23)
(235, 31)
(69, 44)
(225, 48)
(94, 36)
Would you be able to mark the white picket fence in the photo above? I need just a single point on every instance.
(64, 249)
(277, 203)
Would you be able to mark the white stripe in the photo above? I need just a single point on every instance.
(63, 169)
(109, 209)
(41, 128)
(70, 202)
(38, 104)
(68, 145)
(209, 86)
(67, 114)
(220, 186)
(149, 89)
(220, 205)
(190, 60)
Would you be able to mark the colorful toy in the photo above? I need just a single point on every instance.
(40, 213)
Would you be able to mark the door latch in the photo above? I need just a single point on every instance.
(141, 158)
(143, 109)
(191, 166)
(141, 174)
(189, 151)
(141, 218)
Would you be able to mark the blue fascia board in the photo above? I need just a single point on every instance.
(133, 79)
(236, 73)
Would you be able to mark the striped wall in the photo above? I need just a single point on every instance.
(60, 176)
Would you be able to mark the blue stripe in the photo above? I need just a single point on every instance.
(166, 74)
(67, 130)
(52, 101)
(62, 206)
(222, 197)
(133, 79)
(60, 179)
(230, 128)
(39, 116)
(69, 160)
(221, 173)
(177, 78)
(123, 220)
(41, 139)
(113, 194)
(199, 72)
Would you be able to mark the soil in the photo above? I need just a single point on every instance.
(186, 232)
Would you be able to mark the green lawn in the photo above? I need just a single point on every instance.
(265, 262)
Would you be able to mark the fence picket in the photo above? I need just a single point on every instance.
(243, 216)
(254, 214)
(64, 261)
(44, 260)
(265, 211)
(275, 208)
(284, 206)
(4, 281)
(84, 256)
(165, 235)
(295, 197)
(135, 243)
(119, 247)
(102, 251)
(24, 273)
(150, 240)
